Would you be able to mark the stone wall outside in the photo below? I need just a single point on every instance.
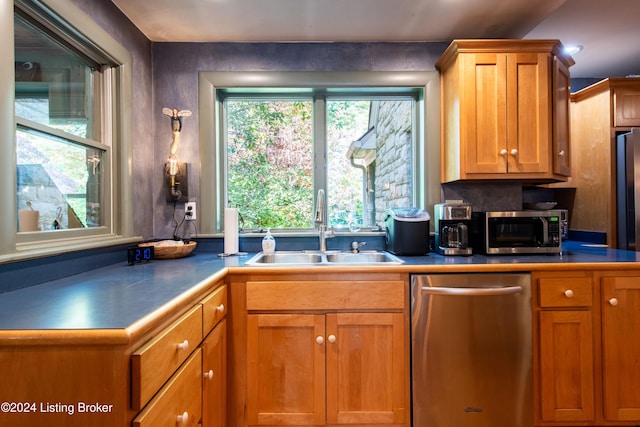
(393, 166)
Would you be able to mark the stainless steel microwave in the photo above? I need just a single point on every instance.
(523, 232)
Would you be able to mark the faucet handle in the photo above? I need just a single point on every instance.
(355, 246)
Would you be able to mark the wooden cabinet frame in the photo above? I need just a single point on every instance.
(505, 110)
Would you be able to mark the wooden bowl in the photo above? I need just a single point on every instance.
(170, 252)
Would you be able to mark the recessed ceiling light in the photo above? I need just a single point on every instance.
(573, 49)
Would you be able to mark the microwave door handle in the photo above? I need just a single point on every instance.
(485, 291)
(545, 231)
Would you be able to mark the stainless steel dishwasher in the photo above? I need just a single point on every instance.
(471, 350)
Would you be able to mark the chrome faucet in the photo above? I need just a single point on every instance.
(320, 222)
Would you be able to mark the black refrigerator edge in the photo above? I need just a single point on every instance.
(628, 189)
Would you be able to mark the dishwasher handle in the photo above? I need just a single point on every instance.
(504, 290)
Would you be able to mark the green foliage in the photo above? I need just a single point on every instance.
(270, 155)
(270, 161)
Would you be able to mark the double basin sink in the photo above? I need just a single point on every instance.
(323, 258)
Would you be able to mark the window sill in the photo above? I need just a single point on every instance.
(40, 249)
(307, 233)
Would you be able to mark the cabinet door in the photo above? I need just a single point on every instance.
(561, 119)
(528, 113)
(286, 369)
(621, 347)
(214, 373)
(367, 368)
(627, 107)
(566, 366)
(483, 112)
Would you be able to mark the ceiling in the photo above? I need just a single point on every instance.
(608, 30)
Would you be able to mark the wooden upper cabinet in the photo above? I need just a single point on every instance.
(627, 106)
(622, 102)
(561, 119)
(504, 110)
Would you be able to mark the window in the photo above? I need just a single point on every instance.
(362, 152)
(72, 88)
(60, 151)
(268, 149)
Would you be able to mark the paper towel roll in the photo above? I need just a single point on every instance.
(231, 231)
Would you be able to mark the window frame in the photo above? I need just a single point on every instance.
(211, 148)
(116, 133)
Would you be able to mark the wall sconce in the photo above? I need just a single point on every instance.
(176, 172)
(176, 179)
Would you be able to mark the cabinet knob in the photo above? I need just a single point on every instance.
(568, 293)
(220, 308)
(503, 152)
(331, 338)
(613, 301)
(561, 153)
(514, 152)
(209, 375)
(184, 345)
(183, 419)
(320, 339)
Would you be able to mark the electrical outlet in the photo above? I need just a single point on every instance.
(190, 211)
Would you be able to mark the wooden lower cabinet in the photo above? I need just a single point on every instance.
(353, 360)
(566, 390)
(214, 372)
(621, 347)
(320, 366)
(566, 376)
(178, 402)
(587, 356)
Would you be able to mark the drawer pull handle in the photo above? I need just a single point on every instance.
(183, 419)
(320, 339)
(568, 293)
(209, 375)
(613, 301)
(220, 308)
(331, 338)
(184, 345)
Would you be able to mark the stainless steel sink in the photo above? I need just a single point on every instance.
(319, 258)
(280, 258)
(363, 258)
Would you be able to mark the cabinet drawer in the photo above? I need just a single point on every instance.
(180, 397)
(157, 360)
(566, 292)
(214, 308)
(325, 295)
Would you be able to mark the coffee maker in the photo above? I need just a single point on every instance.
(452, 220)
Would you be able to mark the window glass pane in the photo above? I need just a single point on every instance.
(270, 162)
(59, 179)
(346, 122)
(369, 159)
(52, 83)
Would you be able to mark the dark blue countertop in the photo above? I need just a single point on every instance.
(110, 297)
(572, 253)
(118, 296)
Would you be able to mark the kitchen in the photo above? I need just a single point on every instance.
(171, 60)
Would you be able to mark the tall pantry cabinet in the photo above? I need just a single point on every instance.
(505, 110)
(599, 113)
